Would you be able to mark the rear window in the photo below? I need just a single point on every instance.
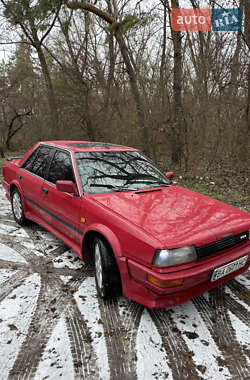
(37, 162)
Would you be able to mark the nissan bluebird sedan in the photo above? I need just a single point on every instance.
(152, 241)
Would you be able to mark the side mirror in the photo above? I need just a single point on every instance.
(66, 187)
(169, 175)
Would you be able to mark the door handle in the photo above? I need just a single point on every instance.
(45, 191)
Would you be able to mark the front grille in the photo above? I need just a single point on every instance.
(221, 245)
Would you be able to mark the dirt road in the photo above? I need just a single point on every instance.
(53, 326)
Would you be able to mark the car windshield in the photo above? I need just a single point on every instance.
(106, 172)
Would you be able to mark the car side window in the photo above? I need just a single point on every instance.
(38, 161)
(61, 168)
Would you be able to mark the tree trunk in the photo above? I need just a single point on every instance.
(54, 127)
(83, 87)
(243, 140)
(163, 62)
(247, 40)
(177, 123)
(135, 91)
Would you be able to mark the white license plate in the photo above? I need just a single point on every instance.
(228, 268)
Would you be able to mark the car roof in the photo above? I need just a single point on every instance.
(83, 146)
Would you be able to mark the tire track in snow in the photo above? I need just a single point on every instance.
(246, 274)
(216, 317)
(238, 310)
(84, 357)
(240, 291)
(120, 335)
(12, 283)
(131, 323)
(178, 355)
(4, 264)
(51, 304)
(54, 298)
(41, 326)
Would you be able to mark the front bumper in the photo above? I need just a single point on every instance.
(196, 279)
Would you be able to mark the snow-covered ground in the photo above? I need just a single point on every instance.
(53, 326)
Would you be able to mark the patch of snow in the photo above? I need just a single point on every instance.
(56, 361)
(9, 254)
(89, 308)
(5, 204)
(32, 248)
(151, 361)
(65, 279)
(16, 231)
(36, 252)
(68, 260)
(206, 296)
(15, 316)
(5, 274)
(47, 236)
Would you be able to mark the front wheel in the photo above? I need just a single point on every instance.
(107, 276)
(17, 207)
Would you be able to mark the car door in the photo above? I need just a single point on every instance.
(31, 176)
(63, 209)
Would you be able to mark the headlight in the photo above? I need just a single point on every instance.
(170, 257)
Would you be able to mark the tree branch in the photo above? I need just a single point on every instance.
(51, 25)
(91, 8)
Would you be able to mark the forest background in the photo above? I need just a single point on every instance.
(115, 71)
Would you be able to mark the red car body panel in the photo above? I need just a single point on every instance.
(136, 224)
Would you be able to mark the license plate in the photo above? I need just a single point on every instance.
(228, 268)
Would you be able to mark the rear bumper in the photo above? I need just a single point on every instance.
(196, 280)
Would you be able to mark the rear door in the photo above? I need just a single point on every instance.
(62, 209)
(31, 176)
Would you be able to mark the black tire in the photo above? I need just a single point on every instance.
(107, 276)
(17, 207)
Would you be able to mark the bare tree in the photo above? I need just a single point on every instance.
(247, 40)
(118, 28)
(36, 22)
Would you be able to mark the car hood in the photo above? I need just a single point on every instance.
(176, 216)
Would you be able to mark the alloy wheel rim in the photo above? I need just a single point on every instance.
(17, 206)
(98, 265)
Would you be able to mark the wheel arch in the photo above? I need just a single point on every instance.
(104, 233)
(15, 185)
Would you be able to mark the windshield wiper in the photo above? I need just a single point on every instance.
(116, 188)
(158, 184)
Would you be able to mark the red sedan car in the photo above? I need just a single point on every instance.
(152, 241)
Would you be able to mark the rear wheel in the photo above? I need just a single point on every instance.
(107, 276)
(17, 207)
